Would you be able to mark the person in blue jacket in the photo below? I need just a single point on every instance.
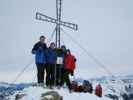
(51, 64)
(39, 50)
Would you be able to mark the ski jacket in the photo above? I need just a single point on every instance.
(69, 62)
(39, 50)
(51, 56)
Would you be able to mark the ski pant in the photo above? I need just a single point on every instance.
(40, 72)
(50, 77)
(59, 75)
(66, 78)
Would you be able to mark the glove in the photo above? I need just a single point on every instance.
(72, 73)
(75, 60)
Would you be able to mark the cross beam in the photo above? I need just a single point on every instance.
(57, 21)
(42, 17)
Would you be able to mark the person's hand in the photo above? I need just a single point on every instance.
(75, 59)
(72, 73)
(40, 49)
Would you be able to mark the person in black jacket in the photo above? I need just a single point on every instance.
(61, 53)
(39, 50)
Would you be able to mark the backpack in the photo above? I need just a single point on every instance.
(74, 85)
(98, 91)
(87, 86)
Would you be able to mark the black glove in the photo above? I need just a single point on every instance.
(75, 59)
(72, 73)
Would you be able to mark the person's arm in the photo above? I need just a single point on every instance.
(75, 65)
(34, 49)
(46, 53)
(45, 46)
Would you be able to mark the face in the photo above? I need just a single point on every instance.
(63, 48)
(42, 39)
(68, 52)
(52, 46)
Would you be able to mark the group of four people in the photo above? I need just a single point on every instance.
(58, 63)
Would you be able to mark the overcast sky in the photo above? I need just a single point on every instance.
(105, 30)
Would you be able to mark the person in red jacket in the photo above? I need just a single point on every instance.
(69, 66)
(98, 90)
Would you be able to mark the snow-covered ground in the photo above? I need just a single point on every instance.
(110, 87)
(34, 93)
